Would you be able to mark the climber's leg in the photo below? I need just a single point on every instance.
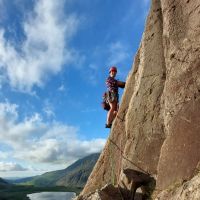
(111, 113)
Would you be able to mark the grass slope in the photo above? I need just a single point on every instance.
(78, 173)
(75, 175)
(4, 184)
(20, 192)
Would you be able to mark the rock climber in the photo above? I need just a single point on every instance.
(112, 95)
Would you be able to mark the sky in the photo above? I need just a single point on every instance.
(54, 59)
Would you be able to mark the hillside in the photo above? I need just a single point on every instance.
(3, 182)
(75, 175)
(154, 141)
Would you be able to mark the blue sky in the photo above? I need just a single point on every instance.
(54, 59)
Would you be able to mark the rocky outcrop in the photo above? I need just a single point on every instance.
(185, 191)
(156, 131)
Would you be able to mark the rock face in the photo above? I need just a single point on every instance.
(157, 129)
(188, 190)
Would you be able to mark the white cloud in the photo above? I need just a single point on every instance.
(60, 145)
(16, 133)
(8, 110)
(32, 140)
(49, 112)
(10, 166)
(48, 109)
(117, 53)
(3, 155)
(45, 48)
(61, 88)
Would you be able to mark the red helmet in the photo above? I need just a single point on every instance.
(113, 68)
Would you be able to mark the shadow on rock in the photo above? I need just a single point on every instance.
(127, 189)
(132, 180)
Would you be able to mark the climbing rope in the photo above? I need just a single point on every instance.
(112, 166)
(124, 157)
(112, 171)
(120, 161)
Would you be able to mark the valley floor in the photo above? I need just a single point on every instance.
(20, 192)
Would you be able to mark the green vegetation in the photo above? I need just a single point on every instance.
(71, 179)
(3, 183)
(20, 192)
(75, 175)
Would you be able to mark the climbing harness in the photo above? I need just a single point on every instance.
(105, 105)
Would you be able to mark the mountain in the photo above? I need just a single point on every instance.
(155, 139)
(75, 175)
(4, 184)
(19, 180)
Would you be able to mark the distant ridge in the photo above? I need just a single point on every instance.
(4, 184)
(78, 173)
(75, 175)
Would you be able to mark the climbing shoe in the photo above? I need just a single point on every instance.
(108, 125)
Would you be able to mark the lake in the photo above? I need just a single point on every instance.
(52, 196)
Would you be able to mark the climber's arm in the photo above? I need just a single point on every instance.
(121, 84)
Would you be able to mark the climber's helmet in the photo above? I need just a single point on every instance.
(113, 69)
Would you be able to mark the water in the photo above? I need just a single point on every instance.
(52, 196)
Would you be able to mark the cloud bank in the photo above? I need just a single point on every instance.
(44, 51)
(10, 166)
(35, 141)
